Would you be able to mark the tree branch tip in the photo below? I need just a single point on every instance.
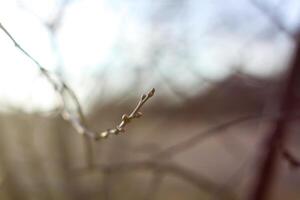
(151, 93)
(138, 115)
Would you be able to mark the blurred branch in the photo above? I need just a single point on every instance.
(291, 159)
(53, 24)
(106, 188)
(274, 19)
(62, 89)
(155, 183)
(197, 138)
(56, 21)
(277, 136)
(195, 179)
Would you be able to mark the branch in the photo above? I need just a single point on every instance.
(82, 129)
(197, 138)
(274, 19)
(154, 185)
(291, 159)
(62, 89)
(107, 185)
(126, 119)
(277, 136)
(195, 179)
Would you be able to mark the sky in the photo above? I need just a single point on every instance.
(99, 42)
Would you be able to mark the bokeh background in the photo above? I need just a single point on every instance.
(218, 68)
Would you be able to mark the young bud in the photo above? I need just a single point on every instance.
(125, 118)
(151, 93)
(104, 134)
(138, 114)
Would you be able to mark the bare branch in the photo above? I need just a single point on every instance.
(201, 182)
(198, 137)
(154, 185)
(291, 159)
(277, 136)
(62, 89)
(126, 119)
(274, 19)
(107, 184)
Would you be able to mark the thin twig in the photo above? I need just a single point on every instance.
(62, 89)
(126, 119)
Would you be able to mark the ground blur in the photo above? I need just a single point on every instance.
(42, 157)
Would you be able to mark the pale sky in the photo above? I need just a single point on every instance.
(97, 34)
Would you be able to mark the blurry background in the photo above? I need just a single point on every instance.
(211, 62)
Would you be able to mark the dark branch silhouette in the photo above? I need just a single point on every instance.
(276, 138)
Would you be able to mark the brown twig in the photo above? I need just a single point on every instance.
(126, 119)
(62, 89)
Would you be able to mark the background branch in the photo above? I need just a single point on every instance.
(276, 138)
(174, 169)
(198, 137)
(291, 159)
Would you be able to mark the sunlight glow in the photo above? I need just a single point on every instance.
(88, 32)
(122, 37)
